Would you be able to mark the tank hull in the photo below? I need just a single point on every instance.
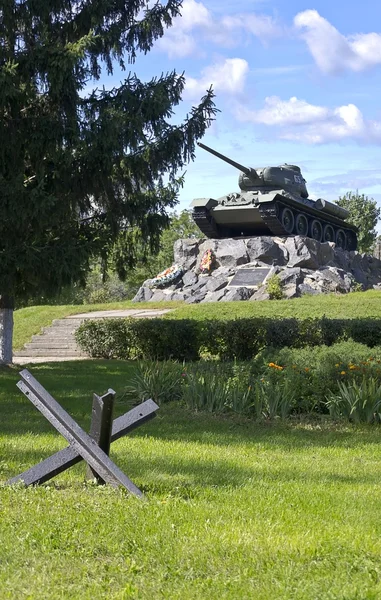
(276, 213)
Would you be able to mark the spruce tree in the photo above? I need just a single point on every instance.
(80, 171)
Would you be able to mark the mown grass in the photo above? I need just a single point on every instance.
(234, 509)
(335, 306)
(29, 321)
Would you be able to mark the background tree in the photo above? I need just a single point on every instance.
(108, 287)
(79, 171)
(364, 213)
(181, 226)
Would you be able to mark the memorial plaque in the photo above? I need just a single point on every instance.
(249, 277)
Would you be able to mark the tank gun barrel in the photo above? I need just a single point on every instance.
(247, 170)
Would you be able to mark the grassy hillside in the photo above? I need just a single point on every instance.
(28, 321)
(357, 304)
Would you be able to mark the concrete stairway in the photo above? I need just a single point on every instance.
(57, 342)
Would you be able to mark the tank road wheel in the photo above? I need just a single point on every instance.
(328, 233)
(316, 230)
(341, 239)
(351, 240)
(301, 224)
(288, 220)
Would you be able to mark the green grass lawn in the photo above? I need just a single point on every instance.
(336, 306)
(29, 321)
(234, 509)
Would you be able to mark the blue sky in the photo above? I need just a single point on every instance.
(295, 82)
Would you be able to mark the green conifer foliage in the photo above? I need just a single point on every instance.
(80, 170)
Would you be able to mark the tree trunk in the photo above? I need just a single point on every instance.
(6, 328)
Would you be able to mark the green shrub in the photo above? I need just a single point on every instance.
(160, 339)
(365, 331)
(240, 339)
(341, 379)
(160, 381)
(316, 371)
(274, 287)
(105, 338)
(274, 398)
(359, 402)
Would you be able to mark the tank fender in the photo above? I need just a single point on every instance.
(332, 209)
(207, 203)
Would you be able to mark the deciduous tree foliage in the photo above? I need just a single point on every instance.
(364, 213)
(80, 170)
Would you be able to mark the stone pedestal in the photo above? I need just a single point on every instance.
(243, 266)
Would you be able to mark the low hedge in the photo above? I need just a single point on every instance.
(242, 339)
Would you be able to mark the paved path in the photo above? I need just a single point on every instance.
(57, 342)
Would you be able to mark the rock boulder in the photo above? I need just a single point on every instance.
(303, 265)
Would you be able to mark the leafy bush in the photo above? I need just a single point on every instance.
(317, 371)
(240, 339)
(297, 381)
(358, 402)
(274, 287)
(159, 339)
(214, 387)
(160, 381)
(105, 338)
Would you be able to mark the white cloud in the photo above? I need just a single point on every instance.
(181, 39)
(297, 120)
(227, 76)
(280, 112)
(332, 51)
(178, 39)
(261, 26)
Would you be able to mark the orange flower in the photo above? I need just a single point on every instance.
(306, 369)
(275, 366)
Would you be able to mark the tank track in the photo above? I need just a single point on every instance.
(205, 223)
(269, 213)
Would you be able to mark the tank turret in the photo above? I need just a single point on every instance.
(273, 200)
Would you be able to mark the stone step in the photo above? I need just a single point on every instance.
(52, 337)
(48, 352)
(51, 344)
(58, 341)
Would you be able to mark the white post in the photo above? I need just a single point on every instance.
(6, 330)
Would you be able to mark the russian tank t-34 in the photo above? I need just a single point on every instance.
(272, 201)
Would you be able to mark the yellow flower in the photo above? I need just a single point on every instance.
(352, 367)
(337, 365)
(342, 373)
